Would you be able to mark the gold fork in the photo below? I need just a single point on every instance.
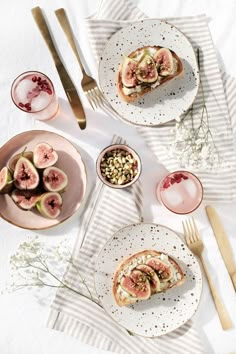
(195, 244)
(88, 84)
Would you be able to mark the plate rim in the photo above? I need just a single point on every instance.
(196, 259)
(85, 184)
(99, 74)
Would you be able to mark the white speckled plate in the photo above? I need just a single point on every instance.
(168, 101)
(163, 312)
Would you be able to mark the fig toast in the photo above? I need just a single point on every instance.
(143, 274)
(145, 69)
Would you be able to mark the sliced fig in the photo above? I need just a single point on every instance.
(25, 174)
(49, 204)
(128, 72)
(137, 284)
(44, 155)
(13, 160)
(165, 62)
(152, 277)
(25, 199)
(54, 179)
(147, 71)
(6, 180)
(162, 269)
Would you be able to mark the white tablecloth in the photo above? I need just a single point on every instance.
(23, 314)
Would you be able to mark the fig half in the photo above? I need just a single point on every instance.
(54, 179)
(25, 199)
(128, 72)
(137, 284)
(49, 204)
(6, 180)
(25, 174)
(165, 62)
(162, 269)
(44, 155)
(147, 71)
(13, 160)
(152, 277)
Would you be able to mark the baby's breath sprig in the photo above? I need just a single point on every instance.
(193, 144)
(35, 265)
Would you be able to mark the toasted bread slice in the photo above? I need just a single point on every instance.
(131, 94)
(143, 274)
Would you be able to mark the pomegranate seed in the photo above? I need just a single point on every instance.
(167, 182)
(39, 79)
(34, 78)
(177, 176)
(49, 91)
(184, 177)
(28, 106)
(21, 104)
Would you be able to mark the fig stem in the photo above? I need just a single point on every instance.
(22, 153)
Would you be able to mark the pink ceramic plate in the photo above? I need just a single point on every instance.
(69, 161)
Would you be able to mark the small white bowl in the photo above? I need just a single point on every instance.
(121, 147)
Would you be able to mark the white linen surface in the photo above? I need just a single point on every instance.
(23, 316)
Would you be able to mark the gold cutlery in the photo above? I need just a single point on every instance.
(66, 81)
(196, 245)
(223, 242)
(88, 84)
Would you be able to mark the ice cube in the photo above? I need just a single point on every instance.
(173, 196)
(190, 187)
(41, 101)
(22, 90)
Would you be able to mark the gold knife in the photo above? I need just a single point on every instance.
(223, 242)
(66, 81)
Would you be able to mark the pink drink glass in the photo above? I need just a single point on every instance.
(181, 192)
(33, 93)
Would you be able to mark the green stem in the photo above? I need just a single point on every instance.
(81, 278)
(63, 284)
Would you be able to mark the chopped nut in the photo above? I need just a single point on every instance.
(118, 166)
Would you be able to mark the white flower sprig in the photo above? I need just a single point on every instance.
(36, 265)
(193, 145)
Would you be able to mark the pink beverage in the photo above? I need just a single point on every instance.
(33, 92)
(181, 192)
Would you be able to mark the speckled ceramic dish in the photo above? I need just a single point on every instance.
(127, 149)
(69, 160)
(168, 101)
(163, 312)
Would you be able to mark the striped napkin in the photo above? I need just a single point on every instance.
(219, 182)
(108, 211)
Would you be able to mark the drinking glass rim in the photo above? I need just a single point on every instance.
(201, 188)
(25, 73)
